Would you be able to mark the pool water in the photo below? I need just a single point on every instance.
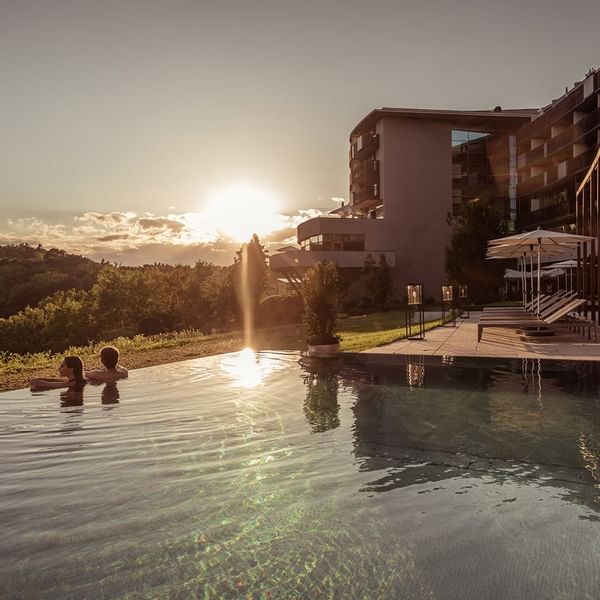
(269, 475)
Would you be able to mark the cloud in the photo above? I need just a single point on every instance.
(113, 237)
(160, 223)
(112, 217)
(134, 239)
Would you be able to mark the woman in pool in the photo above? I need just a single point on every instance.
(71, 376)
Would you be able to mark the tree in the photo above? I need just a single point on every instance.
(377, 282)
(382, 283)
(367, 274)
(465, 254)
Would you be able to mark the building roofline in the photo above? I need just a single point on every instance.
(504, 117)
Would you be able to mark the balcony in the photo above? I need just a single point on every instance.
(365, 170)
(544, 215)
(364, 146)
(372, 229)
(303, 259)
(531, 184)
(552, 114)
(533, 156)
(575, 132)
(580, 163)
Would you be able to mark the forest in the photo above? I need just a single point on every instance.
(51, 300)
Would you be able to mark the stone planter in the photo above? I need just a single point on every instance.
(324, 350)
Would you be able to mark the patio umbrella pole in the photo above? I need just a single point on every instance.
(523, 281)
(531, 273)
(539, 274)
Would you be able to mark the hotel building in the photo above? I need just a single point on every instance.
(410, 169)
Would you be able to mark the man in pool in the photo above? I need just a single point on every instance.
(111, 371)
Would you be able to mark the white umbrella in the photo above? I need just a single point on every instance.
(541, 238)
(552, 272)
(567, 264)
(520, 251)
(556, 273)
(512, 274)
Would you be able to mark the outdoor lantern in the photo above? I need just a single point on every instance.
(462, 291)
(448, 299)
(415, 312)
(447, 293)
(414, 293)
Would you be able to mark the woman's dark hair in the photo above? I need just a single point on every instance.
(75, 363)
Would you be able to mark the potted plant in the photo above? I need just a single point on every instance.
(320, 295)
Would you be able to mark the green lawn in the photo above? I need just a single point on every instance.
(375, 329)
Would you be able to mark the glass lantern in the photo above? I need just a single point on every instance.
(414, 293)
(447, 293)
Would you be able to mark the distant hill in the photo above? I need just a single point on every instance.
(28, 274)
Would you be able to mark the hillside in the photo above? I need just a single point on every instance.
(28, 274)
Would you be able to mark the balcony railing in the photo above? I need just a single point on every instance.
(534, 155)
(364, 169)
(575, 132)
(554, 174)
(533, 183)
(364, 145)
(552, 114)
(580, 163)
(544, 215)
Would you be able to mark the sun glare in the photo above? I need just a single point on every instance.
(246, 368)
(239, 211)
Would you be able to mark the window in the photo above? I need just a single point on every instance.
(338, 242)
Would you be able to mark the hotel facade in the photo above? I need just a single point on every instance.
(410, 169)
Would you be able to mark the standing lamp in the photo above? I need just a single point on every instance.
(415, 313)
(463, 293)
(448, 304)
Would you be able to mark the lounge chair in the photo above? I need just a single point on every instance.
(547, 307)
(530, 307)
(528, 321)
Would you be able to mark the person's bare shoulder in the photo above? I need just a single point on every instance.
(102, 375)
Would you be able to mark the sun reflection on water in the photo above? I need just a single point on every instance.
(247, 368)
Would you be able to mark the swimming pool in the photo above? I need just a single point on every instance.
(270, 476)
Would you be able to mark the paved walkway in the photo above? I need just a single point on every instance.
(462, 341)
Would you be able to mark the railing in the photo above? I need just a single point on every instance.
(364, 145)
(576, 131)
(542, 215)
(364, 168)
(579, 163)
(533, 183)
(534, 155)
(588, 176)
(553, 113)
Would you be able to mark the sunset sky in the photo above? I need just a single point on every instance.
(142, 131)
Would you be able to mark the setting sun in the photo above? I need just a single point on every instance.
(241, 210)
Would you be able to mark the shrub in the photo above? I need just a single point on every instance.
(320, 296)
(279, 310)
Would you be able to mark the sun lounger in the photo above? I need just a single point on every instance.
(550, 305)
(530, 306)
(527, 321)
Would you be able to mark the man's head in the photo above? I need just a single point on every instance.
(109, 357)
